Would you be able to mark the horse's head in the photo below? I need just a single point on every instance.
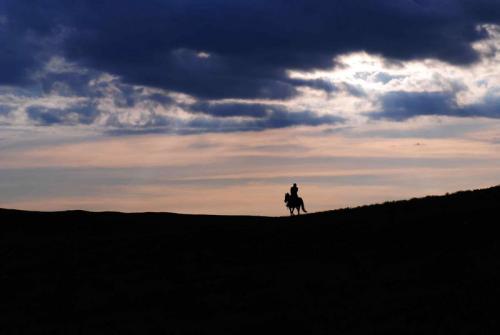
(287, 197)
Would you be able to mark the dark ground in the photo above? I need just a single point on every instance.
(424, 266)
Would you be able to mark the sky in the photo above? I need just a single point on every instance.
(217, 107)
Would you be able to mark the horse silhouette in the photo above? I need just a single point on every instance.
(294, 203)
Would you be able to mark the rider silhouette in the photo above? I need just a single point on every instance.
(294, 190)
(293, 202)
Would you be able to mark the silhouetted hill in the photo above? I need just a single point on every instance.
(425, 266)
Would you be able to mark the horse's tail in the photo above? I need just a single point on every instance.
(302, 204)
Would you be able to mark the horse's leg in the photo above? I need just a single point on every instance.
(302, 203)
(298, 210)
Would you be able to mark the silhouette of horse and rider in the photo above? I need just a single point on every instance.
(293, 201)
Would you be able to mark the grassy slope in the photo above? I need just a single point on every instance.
(427, 265)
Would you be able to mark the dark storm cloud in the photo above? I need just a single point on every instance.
(233, 49)
(274, 119)
(489, 107)
(405, 105)
(282, 118)
(17, 58)
(400, 106)
(319, 84)
(232, 109)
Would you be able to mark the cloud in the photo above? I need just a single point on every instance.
(232, 109)
(70, 95)
(225, 118)
(233, 49)
(67, 84)
(16, 58)
(4, 109)
(318, 84)
(489, 107)
(353, 90)
(162, 99)
(401, 106)
(73, 115)
(405, 105)
(384, 77)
